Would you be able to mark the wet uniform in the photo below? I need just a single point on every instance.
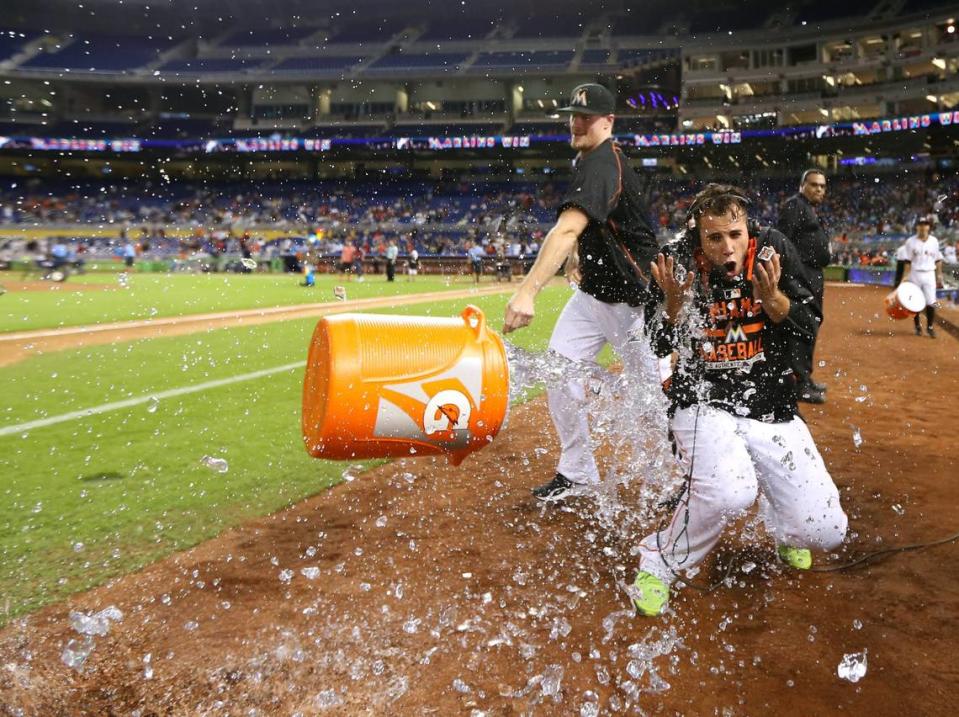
(607, 305)
(734, 418)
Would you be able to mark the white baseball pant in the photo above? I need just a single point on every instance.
(730, 460)
(925, 279)
(583, 328)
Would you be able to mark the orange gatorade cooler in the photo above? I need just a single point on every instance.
(383, 386)
(904, 301)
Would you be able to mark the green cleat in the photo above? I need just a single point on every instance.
(653, 594)
(799, 558)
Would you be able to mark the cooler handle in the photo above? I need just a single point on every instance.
(475, 319)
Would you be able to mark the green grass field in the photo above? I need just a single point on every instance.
(102, 495)
(162, 295)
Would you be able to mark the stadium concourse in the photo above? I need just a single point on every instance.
(420, 588)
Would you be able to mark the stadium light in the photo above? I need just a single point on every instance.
(939, 62)
(932, 98)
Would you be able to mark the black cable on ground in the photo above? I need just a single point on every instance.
(886, 551)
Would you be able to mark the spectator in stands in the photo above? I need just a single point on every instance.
(800, 224)
(949, 253)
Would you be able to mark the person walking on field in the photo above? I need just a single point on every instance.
(731, 300)
(801, 225)
(603, 220)
(347, 257)
(392, 251)
(925, 270)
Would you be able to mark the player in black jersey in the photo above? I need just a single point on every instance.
(731, 301)
(604, 220)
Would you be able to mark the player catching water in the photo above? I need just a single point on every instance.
(731, 302)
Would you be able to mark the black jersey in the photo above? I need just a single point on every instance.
(619, 239)
(732, 355)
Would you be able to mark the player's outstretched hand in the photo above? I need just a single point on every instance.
(664, 272)
(675, 288)
(766, 278)
(519, 312)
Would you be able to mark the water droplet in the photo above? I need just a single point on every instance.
(381, 522)
(215, 464)
(856, 438)
(153, 404)
(76, 652)
(853, 666)
(286, 575)
(311, 573)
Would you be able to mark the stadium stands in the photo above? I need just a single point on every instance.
(267, 37)
(518, 61)
(101, 53)
(211, 65)
(440, 61)
(332, 65)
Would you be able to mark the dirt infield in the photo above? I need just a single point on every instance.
(17, 346)
(418, 588)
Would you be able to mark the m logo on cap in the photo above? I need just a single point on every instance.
(579, 98)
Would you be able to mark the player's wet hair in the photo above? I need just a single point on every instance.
(716, 199)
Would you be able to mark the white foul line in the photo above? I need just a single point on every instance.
(127, 403)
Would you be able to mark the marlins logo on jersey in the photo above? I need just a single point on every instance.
(734, 334)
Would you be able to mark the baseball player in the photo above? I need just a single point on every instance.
(412, 265)
(732, 299)
(604, 221)
(925, 270)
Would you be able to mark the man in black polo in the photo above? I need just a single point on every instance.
(604, 218)
(800, 224)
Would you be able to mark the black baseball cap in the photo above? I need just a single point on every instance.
(924, 220)
(590, 99)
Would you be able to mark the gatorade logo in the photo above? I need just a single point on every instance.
(436, 410)
(448, 410)
(579, 98)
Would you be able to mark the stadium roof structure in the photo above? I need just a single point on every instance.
(242, 22)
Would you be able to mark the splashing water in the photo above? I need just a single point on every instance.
(215, 464)
(76, 652)
(95, 623)
(853, 666)
(856, 438)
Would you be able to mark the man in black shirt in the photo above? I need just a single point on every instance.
(730, 300)
(603, 220)
(800, 224)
